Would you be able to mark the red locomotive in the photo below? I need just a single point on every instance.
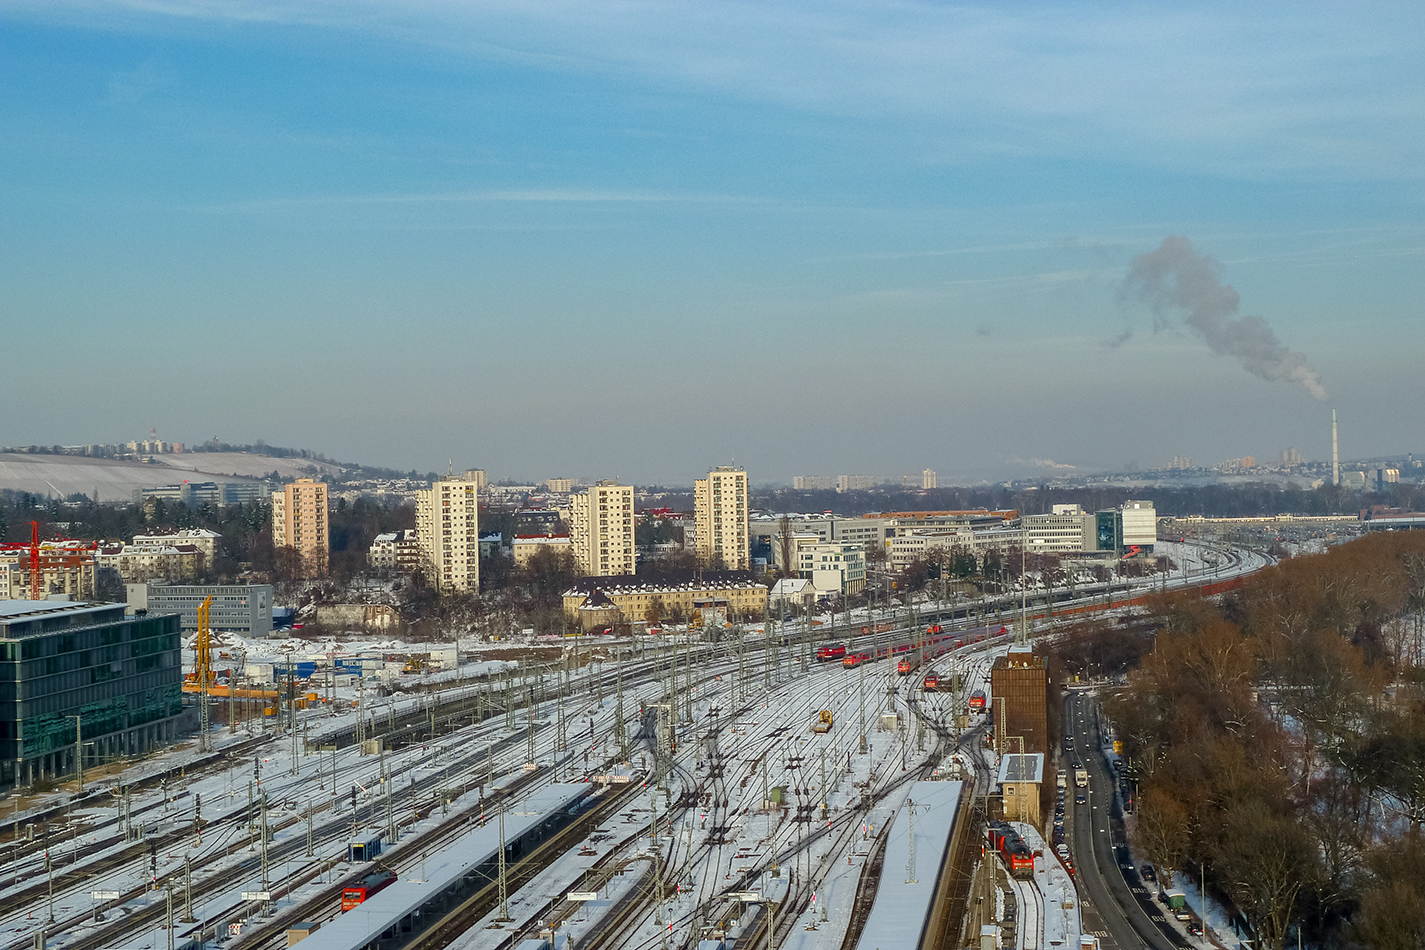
(368, 886)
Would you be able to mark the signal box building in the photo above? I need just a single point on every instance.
(122, 676)
(1020, 777)
(1019, 687)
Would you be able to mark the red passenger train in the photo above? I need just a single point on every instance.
(933, 644)
(825, 654)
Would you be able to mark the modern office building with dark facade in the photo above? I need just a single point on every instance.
(123, 678)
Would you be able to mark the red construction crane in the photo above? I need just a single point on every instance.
(34, 560)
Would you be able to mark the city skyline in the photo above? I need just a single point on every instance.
(800, 240)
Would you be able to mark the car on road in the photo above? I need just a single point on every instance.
(1148, 874)
(1080, 800)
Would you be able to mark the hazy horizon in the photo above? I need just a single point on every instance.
(642, 240)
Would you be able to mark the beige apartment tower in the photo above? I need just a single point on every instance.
(721, 515)
(602, 532)
(448, 531)
(299, 521)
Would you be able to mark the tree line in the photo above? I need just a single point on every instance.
(1277, 742)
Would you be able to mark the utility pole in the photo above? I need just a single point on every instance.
(390, 813)
(263, 829)
(910, 877)
(620, 728)
(188, 917)
(767, 652)
(509, 700)
(504, 915)
(823, 783)
(79, 752)
(688, 681)
(861, 706)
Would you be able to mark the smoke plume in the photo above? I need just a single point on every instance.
(1176, 277)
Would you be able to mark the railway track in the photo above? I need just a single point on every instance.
(724, 789)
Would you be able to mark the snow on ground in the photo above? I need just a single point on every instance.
(1060, 924)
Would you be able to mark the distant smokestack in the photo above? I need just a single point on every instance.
(1335, 455)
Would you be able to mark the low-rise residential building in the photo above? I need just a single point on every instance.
(491, 543)
(791, 595)
(143, 562)
(532, 521)
(205, 541)
(395, 551)
(742, 595)
(525, 546)
(66, 567)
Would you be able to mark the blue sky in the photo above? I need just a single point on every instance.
(639, 239)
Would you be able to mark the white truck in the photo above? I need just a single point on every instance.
(1081, 778)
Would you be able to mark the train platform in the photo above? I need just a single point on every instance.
(910, 877)
(437, 874)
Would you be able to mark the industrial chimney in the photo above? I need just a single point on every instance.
(1335, 455)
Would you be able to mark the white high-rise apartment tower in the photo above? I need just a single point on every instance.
(299, 522)
(448, 532)
(602, 532)
(720, 512)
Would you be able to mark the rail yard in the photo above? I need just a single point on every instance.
(784, 786)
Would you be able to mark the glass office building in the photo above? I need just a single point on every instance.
(121, 676)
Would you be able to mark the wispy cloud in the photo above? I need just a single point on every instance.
(479, 196)
(1242, 91)
(127, 86)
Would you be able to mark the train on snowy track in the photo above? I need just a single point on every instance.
(912, 654)
(1011, 847)
(366, 887)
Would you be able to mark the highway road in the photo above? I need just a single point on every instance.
(1115, 907)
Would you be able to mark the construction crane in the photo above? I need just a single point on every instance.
(203, 647)
(203, 669)
(35, 560)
